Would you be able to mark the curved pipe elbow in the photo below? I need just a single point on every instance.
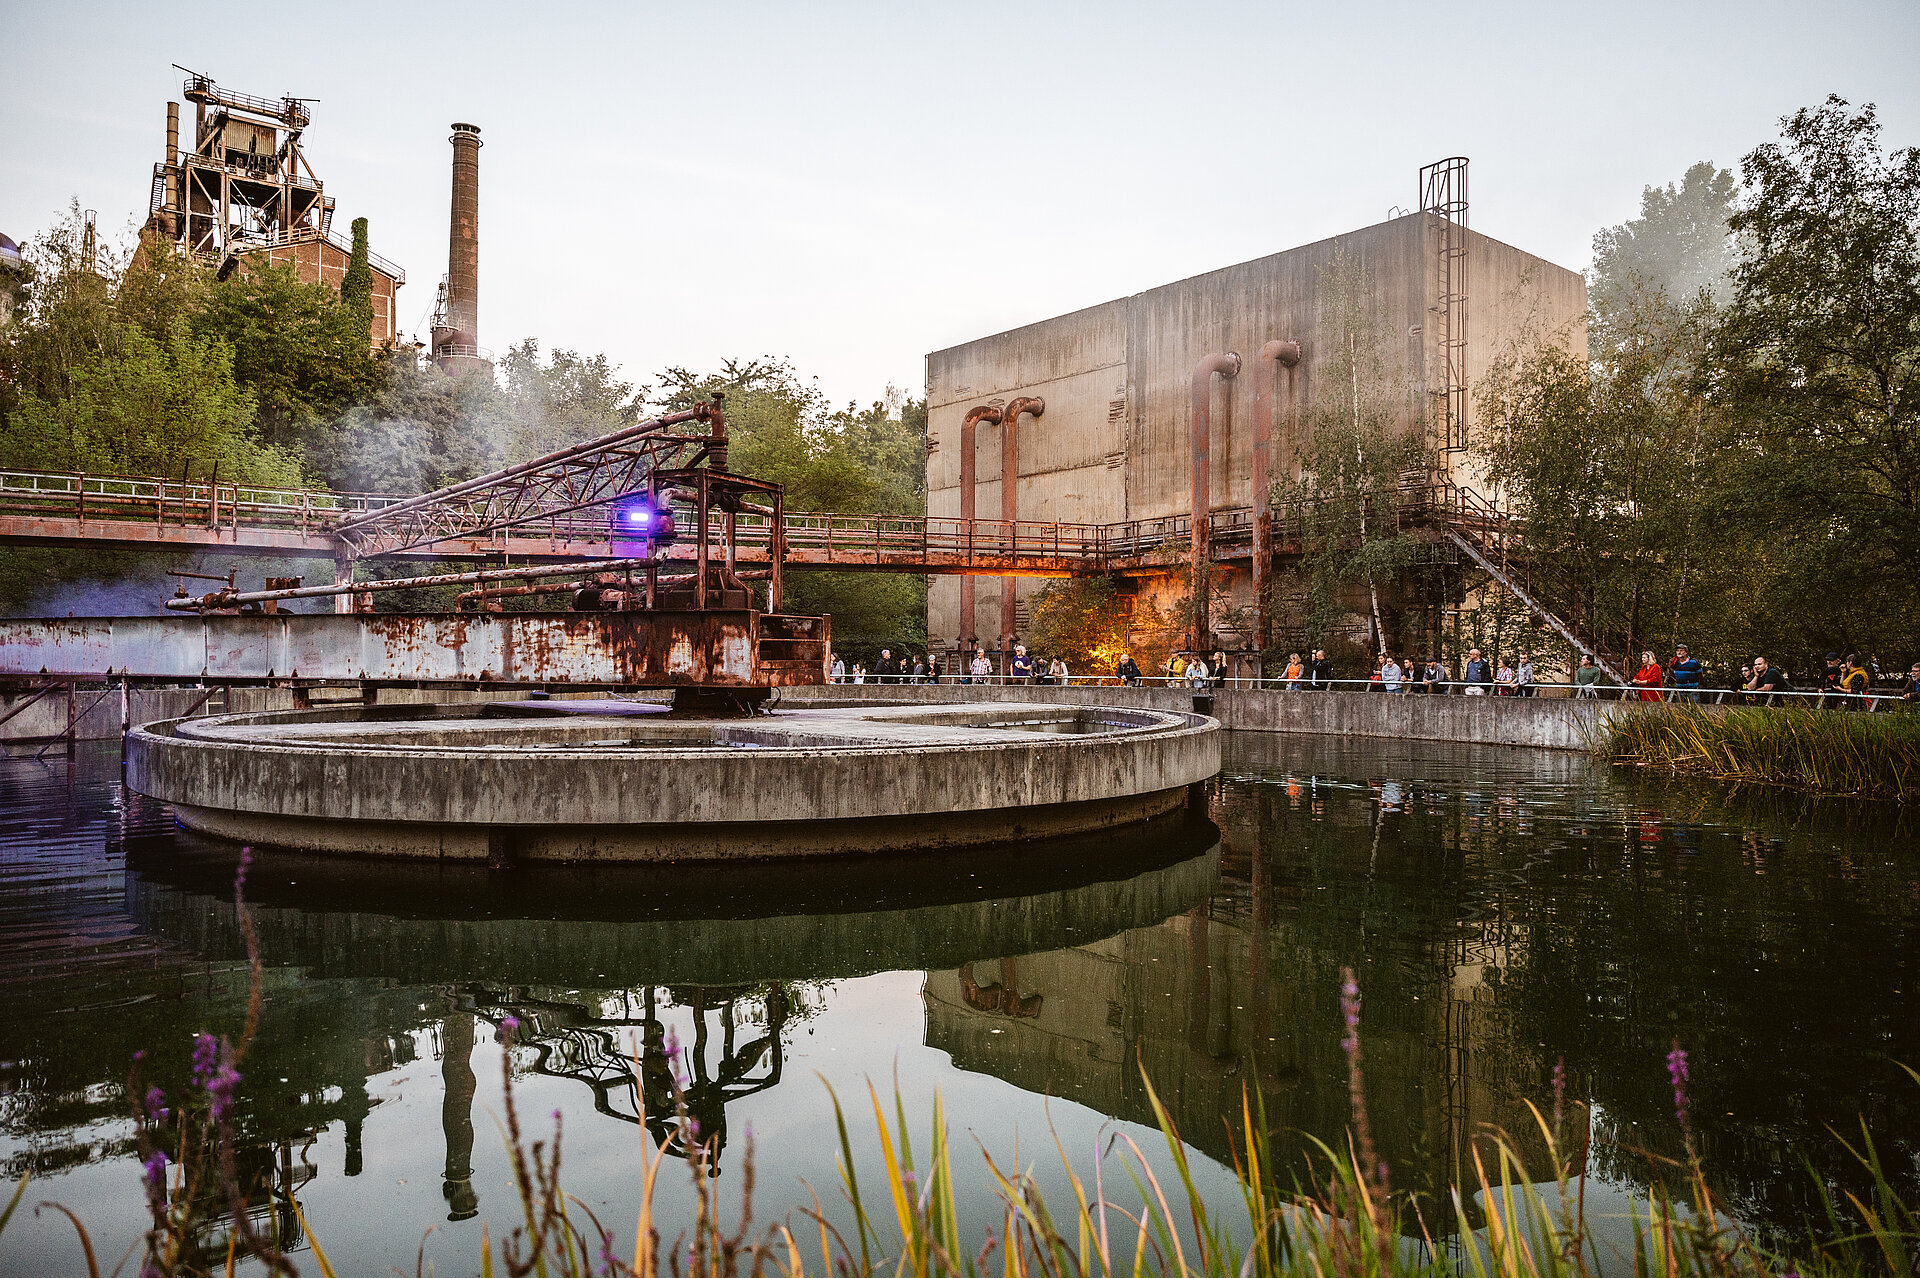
(1025, 404)
(1227, 365)
(980, 413)
(1287, 352)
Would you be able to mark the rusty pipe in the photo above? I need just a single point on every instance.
(1226, 365)
(969, 482)
(1272, 357)
(233, 598)
(1010, 497)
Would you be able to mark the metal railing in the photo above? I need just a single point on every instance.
(184, 502)
(1815, 699)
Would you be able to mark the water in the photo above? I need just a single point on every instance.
(1504, 911)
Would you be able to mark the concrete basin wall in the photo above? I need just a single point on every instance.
(233, 777)
(1552, 723)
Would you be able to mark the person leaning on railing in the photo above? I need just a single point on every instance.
(1586, 679)
(1320, 672)
(1768, 680)
(1684, 670)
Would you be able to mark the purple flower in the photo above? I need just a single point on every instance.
(1677, 1071)
(206, 1058)
(226, 1081)
(155, 1105)
(240, 875)
(155, 1181)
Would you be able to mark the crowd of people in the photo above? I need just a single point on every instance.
(1845, 682)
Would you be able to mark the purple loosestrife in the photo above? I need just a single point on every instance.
(1559, 1094)
(155, 1106)
(206, 1059)
(154, 1178)
(1677, 1071)
(1372, 1171)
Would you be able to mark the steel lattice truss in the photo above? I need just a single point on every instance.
(586, 474)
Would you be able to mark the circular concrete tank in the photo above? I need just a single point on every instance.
(621, 781)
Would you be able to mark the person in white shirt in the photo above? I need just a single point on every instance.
(1197, 673)
(1057, 671)
(981, 667)
(1390, 673)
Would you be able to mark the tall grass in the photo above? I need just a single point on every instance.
(1873, 756)
(1338, 1218)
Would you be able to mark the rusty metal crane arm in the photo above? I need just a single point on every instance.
(573, 478)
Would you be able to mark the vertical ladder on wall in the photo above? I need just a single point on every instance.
(1443, 194)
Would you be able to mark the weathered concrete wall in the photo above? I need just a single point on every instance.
(1552, 723)
(1114, 443)
(48, 716)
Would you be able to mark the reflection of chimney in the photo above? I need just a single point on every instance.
(463, 238)
(456, 1115)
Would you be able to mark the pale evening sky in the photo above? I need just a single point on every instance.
(852, 186)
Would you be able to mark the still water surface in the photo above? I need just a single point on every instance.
(1505, 910)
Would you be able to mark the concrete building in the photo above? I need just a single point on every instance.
(1115, 441)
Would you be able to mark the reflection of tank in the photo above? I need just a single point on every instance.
(717, 925)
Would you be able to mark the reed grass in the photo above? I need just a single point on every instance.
(1337, 1219)
(1869, 756)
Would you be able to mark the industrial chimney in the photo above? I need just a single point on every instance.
(456, 323)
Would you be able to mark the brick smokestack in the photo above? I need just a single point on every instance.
(463, 241)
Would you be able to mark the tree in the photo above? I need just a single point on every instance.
(298, 347)
(1356, 446)
(1817, 357)
(1079, 621)
(1676, 254)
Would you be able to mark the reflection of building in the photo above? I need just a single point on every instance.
(1245, 993)
(244, 193)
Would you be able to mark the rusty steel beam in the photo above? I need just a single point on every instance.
(575, 478)
(664, 649)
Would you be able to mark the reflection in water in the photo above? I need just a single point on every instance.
(1505, 911)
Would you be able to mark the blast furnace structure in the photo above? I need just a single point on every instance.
(244, 193)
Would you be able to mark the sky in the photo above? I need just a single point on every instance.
(852, 186)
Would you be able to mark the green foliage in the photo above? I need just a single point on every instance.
(1731, 468)
(1661, 263)
(356, 290)
(1817, 360)
(1079, 621)
(147, 407)
(870, 610)
(1873, 756)
(298, 348)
